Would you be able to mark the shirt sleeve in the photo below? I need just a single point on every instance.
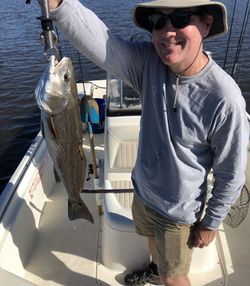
(229, 141)
(88, 34)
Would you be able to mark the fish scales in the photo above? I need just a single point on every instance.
(57, 98)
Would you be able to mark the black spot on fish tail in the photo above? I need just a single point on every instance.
(77, 209)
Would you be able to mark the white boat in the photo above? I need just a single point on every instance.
(40, 246)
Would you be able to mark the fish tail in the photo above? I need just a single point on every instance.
(77, 209)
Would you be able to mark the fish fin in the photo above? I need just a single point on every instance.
(57, 177)
(81, 151)
(42, 128)
(77, 209)
(52, 127)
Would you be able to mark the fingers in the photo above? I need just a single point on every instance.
(202, 237)
(52, 3)
(199, 243)
(202, 244)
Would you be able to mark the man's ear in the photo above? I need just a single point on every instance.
(208, 21)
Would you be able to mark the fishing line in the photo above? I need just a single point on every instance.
(58, 43)
(96, 85)
(241, 39)
(230, 34)
(82, 79)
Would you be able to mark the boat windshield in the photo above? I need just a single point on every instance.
(122, 99)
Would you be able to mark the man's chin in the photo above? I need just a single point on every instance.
(167, 60)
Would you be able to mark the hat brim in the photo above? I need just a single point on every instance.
(216, 9)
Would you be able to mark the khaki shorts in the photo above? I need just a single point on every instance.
(172, 240)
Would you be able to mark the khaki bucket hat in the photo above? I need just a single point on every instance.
(216, 9)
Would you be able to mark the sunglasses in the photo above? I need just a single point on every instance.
(178, 19)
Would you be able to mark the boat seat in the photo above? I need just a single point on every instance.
(118, 208)
(122, 247)
(122, 155)
(124, 199)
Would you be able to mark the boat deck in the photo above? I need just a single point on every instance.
(67, 253)
(64, 253)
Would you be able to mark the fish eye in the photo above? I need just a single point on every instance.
(66, 77)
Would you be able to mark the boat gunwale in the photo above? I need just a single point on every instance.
(15, 180)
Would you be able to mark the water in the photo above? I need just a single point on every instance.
(22, 63)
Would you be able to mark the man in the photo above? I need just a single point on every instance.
(193, 119)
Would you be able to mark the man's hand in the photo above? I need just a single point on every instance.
(53, 4)
(203, 236)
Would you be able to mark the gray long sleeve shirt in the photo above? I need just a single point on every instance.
(176, 149)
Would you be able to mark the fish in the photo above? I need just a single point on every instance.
(57, 98)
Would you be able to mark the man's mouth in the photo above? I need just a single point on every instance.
(170, 44)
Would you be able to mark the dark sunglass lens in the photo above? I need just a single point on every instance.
(157, 21)
(181, 20)
(178, 19)
(161, 23)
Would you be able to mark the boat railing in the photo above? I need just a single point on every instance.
(18, 175)
(122, 99)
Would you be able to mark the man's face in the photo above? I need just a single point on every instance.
(177, 47)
